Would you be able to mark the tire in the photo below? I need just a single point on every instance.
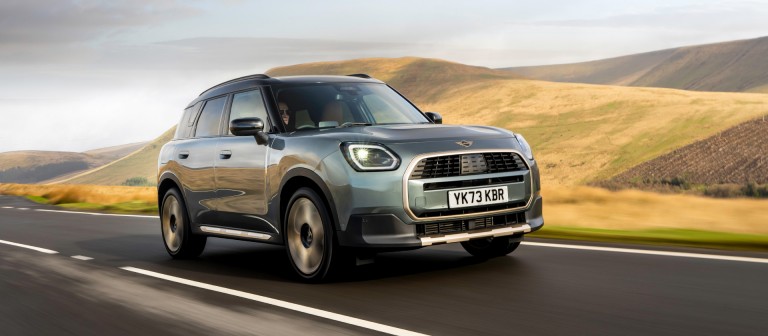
(178, 238)
(491, 247)
(309, 237)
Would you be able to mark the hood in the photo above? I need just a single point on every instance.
(410, 133)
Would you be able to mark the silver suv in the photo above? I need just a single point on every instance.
(338, 168)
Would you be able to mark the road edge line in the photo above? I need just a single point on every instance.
(651, 252)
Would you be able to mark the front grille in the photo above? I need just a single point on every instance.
(442, 228)
(464, 211)
(504, 162)
(467, 164)
(472, 183)
(438, 166)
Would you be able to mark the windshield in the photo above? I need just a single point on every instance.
(344, 105)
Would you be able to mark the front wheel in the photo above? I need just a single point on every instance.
(491, 247)
(179, 240)
(309, 235)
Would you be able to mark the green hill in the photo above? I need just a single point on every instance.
(48, 166)
(38, 166)
(736, 66)
(141, 163)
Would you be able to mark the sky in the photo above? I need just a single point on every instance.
(77, 75)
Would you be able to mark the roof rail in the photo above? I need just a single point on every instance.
(361, 75)
(257, 76)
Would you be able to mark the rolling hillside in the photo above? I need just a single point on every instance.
(141, 163)
(737, 66)
(580, 133)
(116, 152)
(48, 166)
(422, 79)
(37, 166)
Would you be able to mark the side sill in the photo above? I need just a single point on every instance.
(244, 234)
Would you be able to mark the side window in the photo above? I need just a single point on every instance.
(249, 105)
(184, 130)
(210, 118)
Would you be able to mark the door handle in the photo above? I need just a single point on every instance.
(183, 155)
(225, 154)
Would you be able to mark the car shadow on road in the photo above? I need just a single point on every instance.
(248, 260)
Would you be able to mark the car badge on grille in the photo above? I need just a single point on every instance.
(464, 143)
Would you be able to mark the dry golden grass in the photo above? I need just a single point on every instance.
(582, 133)
(60, 194)
(596, 208)
(577, 206)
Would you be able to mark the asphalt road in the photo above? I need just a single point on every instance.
(537, 290)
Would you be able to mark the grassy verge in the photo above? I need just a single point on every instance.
(665, 237)
(125, 207)
(68, 193)
(122, 207)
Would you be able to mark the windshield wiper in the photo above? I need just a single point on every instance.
(350, 124)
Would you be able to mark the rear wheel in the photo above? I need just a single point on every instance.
(179, 240)
(309, 235)
(491, 247)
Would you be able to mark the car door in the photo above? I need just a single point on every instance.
(196, 158)
(241, 169)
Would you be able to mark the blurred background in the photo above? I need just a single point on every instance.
(654, 110)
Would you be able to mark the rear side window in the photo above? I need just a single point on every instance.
(248, 105)
(210, 119)
(184, 130)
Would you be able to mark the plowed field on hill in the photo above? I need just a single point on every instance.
(737, 155)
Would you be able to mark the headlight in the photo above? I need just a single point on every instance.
(524, 146)
(369, 157)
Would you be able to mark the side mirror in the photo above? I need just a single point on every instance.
(249, 127)
(435, 117)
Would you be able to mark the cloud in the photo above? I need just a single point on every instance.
(734, 15)
(32, 28)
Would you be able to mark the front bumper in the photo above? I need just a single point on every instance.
(387, 231)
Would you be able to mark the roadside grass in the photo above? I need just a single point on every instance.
(88, 197)
(124, 207)
(665, 237)
(582, 207)
(39, 199)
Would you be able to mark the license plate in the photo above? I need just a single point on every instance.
(474, 197)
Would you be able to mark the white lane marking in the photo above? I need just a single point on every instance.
(7, 207)
(79, 257)
(96, 213)
(38, 249)
(22, 208)
(279, 303)
(651, 252)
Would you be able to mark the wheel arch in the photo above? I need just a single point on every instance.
(303, 177)
(167, 181)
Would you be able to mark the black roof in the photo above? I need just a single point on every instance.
(252, 81)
